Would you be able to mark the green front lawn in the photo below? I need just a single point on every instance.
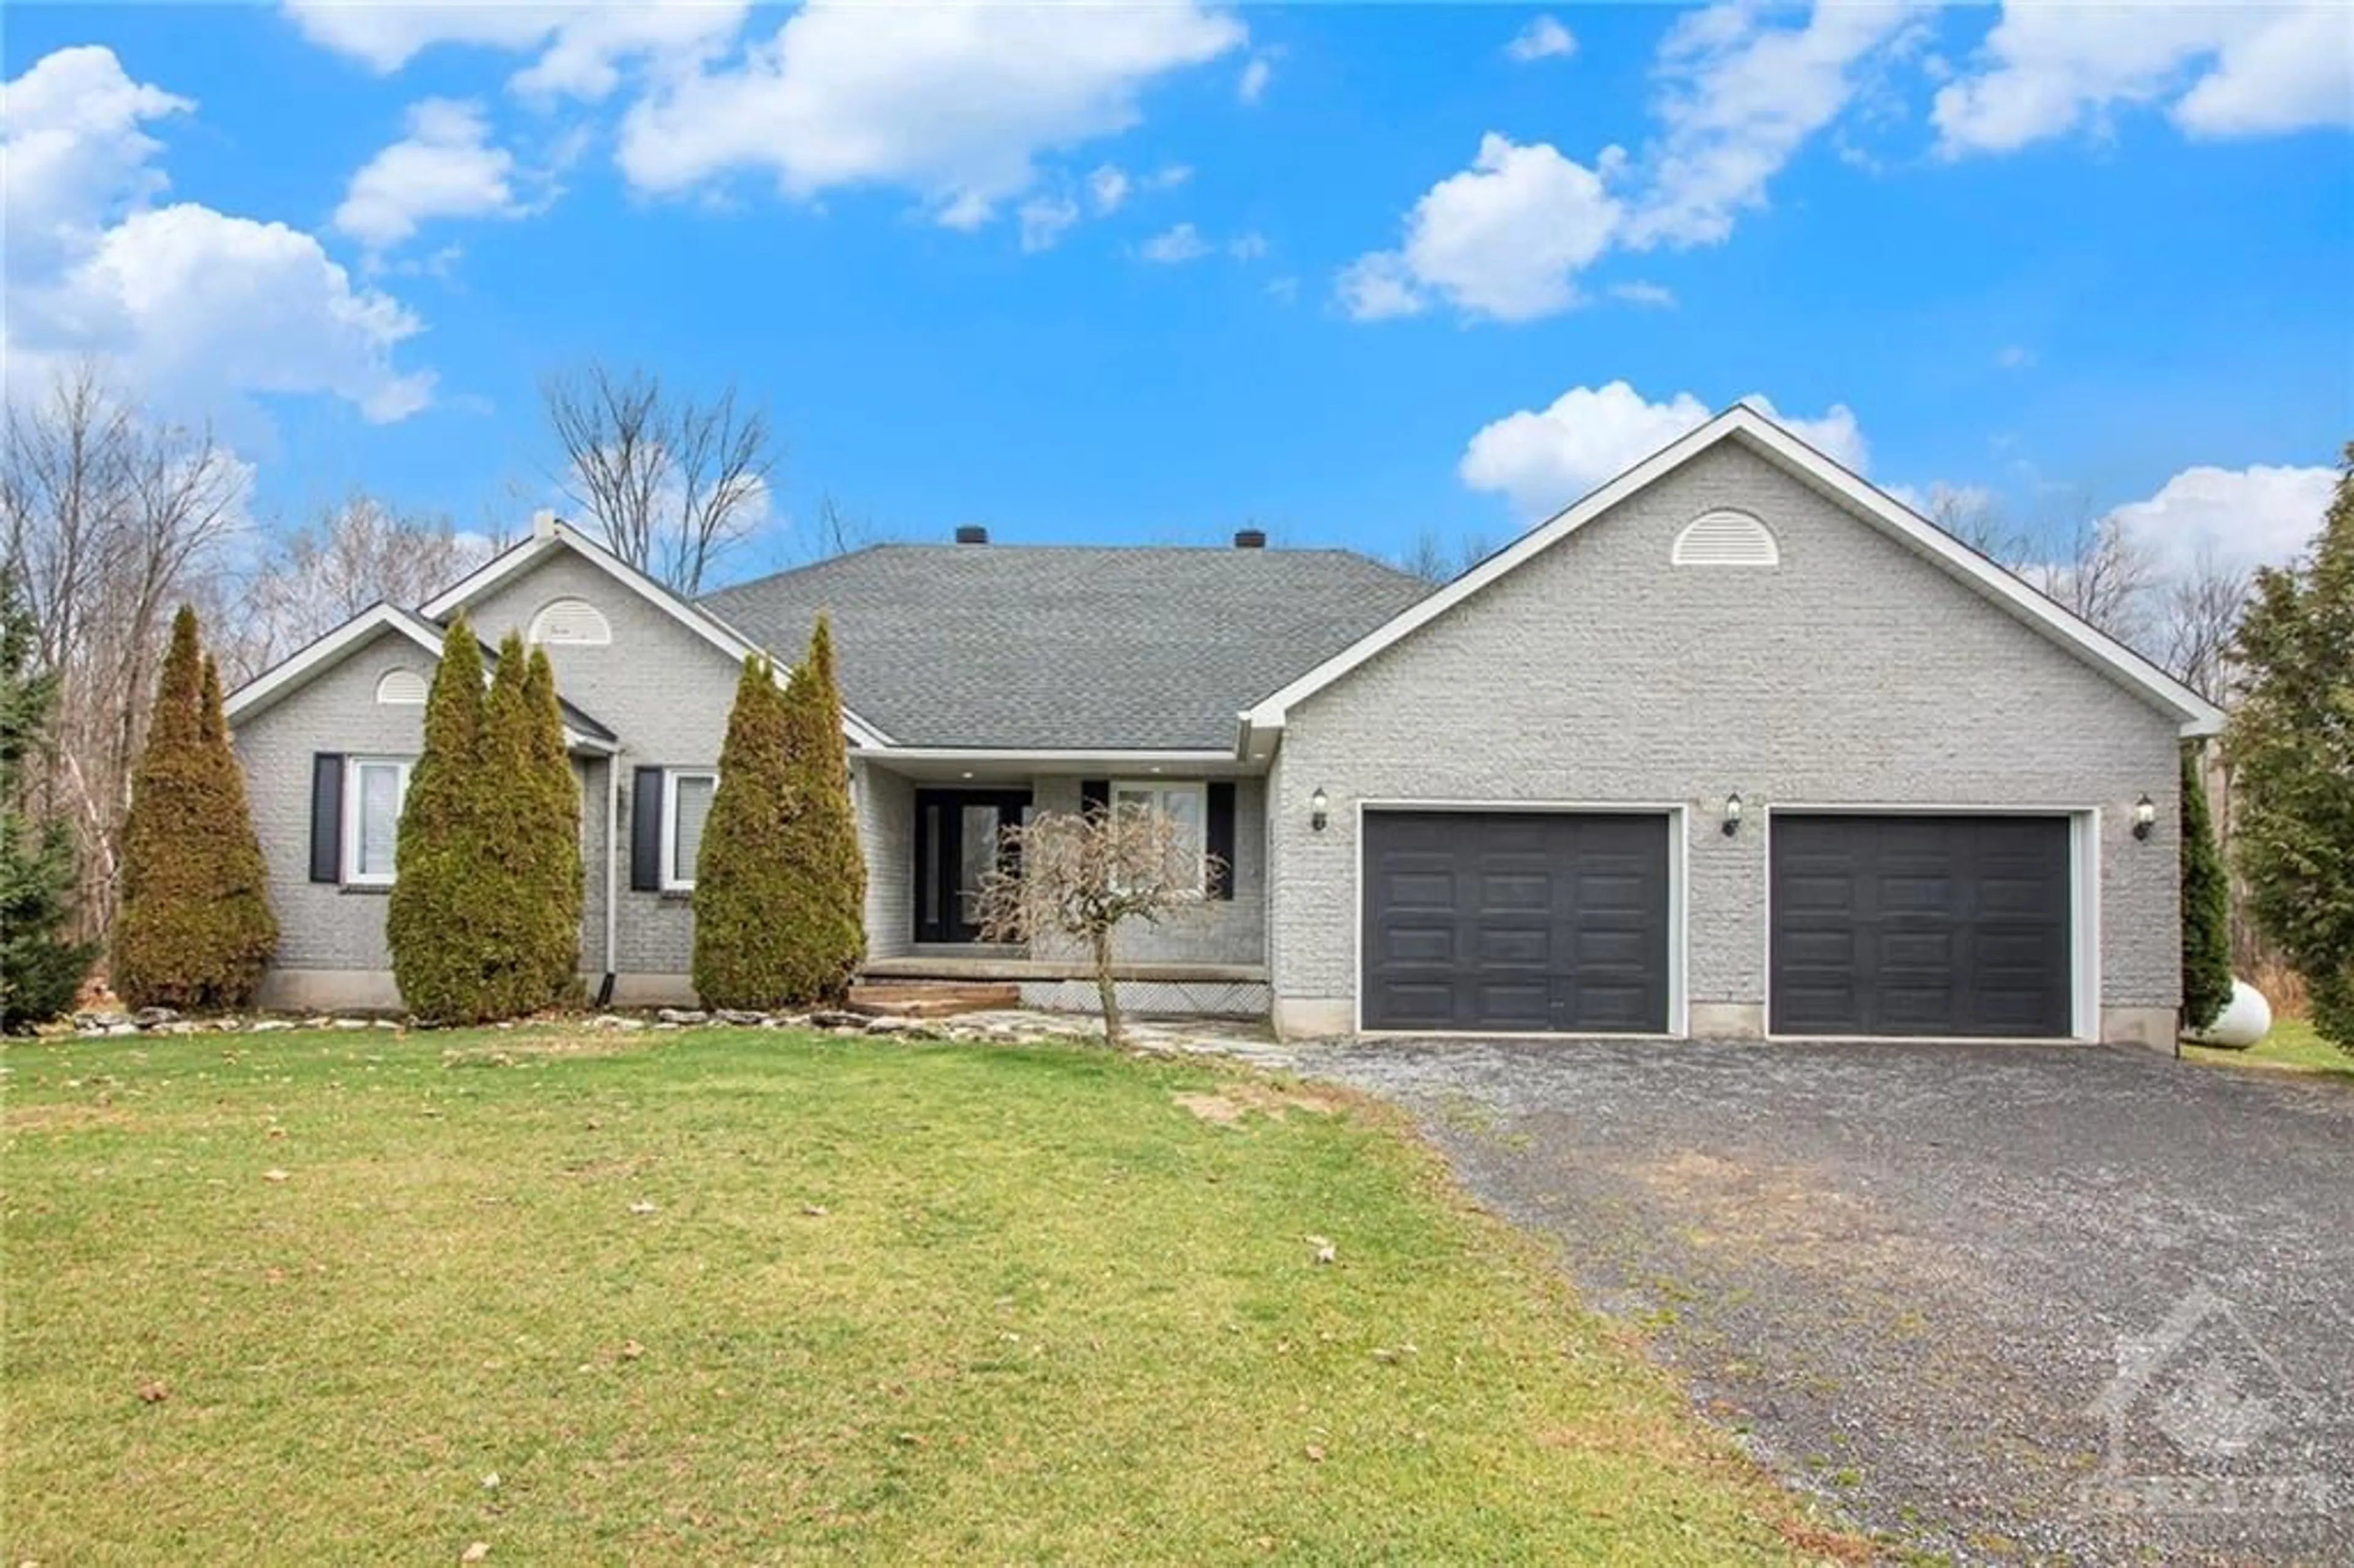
(2292, 1045)
(734, 1296)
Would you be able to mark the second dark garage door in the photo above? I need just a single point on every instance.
(1515, 921)
(1921, 925)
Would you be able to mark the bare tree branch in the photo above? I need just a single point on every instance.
(673, 481)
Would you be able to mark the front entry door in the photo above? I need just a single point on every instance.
(960, 835)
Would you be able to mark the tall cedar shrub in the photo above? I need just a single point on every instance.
(2292, 744)
(2206, 905)
(194, 931)
(556, 829)
(745, 893)
(823, 836)
(40, 970)
(433, 920)
(525, 888)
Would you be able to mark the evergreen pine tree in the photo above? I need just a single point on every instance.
(746, 898)
(194, 931)
(41, 971)
(432, 923)
(2206, 905)
(2292, 742)
(830, 941)
(555, 828)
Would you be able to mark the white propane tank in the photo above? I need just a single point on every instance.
(2243, 1020)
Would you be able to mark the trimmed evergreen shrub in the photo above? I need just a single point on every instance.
(194, 931)
(2206, 905)
(558, 865)
(41, 971)
(829, 923)
(433, 920)
(525, 891)
(744, 891)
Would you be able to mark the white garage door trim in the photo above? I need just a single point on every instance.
(1679, 906)
(2083, 898)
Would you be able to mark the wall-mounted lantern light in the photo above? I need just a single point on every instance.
(1732, 814)
(2145, 817)
(1319, 810)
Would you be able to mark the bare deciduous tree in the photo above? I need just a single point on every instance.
(1078, 876)
(1431, 561)
(671, 480)
(2198, 614)
(111, 520)
(350, 556)
(2105, 574)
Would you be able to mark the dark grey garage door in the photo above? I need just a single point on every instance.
(1921, 925)
(1516, 922)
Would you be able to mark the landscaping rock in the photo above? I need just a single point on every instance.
(738, 1017)
(683, 1015)
(99, 1022)
(912, 1028)
(835, 1018)
(351, 1023)
(154, 1017)
(270, 1026)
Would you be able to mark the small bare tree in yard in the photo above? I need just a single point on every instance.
(1081, 876)
(671, 480)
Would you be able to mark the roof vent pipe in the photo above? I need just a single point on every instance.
(1250, 538)
(972, 534)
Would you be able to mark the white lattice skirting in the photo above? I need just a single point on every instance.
(1156, 998)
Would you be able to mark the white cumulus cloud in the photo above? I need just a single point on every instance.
(2220, 71)
(445, 167)
(1181, 242)
(1504, 238)
(2242, 517)
(193, 308)
(581, 46)
(1543, 38)
(956, 103)
(1740, 96)
(1542, 459)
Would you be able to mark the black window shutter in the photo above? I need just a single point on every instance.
(1094, 796)
(645, 830)
(326, 816)
(1220, 838)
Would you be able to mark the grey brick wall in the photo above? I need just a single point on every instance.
(321, 926)
(1857, 672)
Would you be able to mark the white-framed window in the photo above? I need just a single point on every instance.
(687, 793)
(1186, 804)
(373, 788)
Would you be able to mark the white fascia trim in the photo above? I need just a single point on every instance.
(293, 671)
(529, 552)
(292, 674)
(1049, 754)
(2198, 715)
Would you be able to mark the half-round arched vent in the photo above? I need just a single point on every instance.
(571, 622)
(1726, 539)
(401, 687)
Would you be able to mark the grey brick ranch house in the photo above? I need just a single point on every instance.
(1735, 745)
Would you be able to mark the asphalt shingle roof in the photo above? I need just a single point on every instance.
(1068, 647)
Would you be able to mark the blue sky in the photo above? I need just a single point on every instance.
(2084, 260)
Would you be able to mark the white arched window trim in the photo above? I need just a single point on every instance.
(571, 623)
(1725, 538)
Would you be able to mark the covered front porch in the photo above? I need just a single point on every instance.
(934, 824)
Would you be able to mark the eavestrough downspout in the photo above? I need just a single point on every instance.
(612, 876)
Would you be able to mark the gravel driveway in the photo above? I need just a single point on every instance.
(1905, 1273)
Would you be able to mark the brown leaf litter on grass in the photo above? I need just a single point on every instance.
(1230, 1103)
